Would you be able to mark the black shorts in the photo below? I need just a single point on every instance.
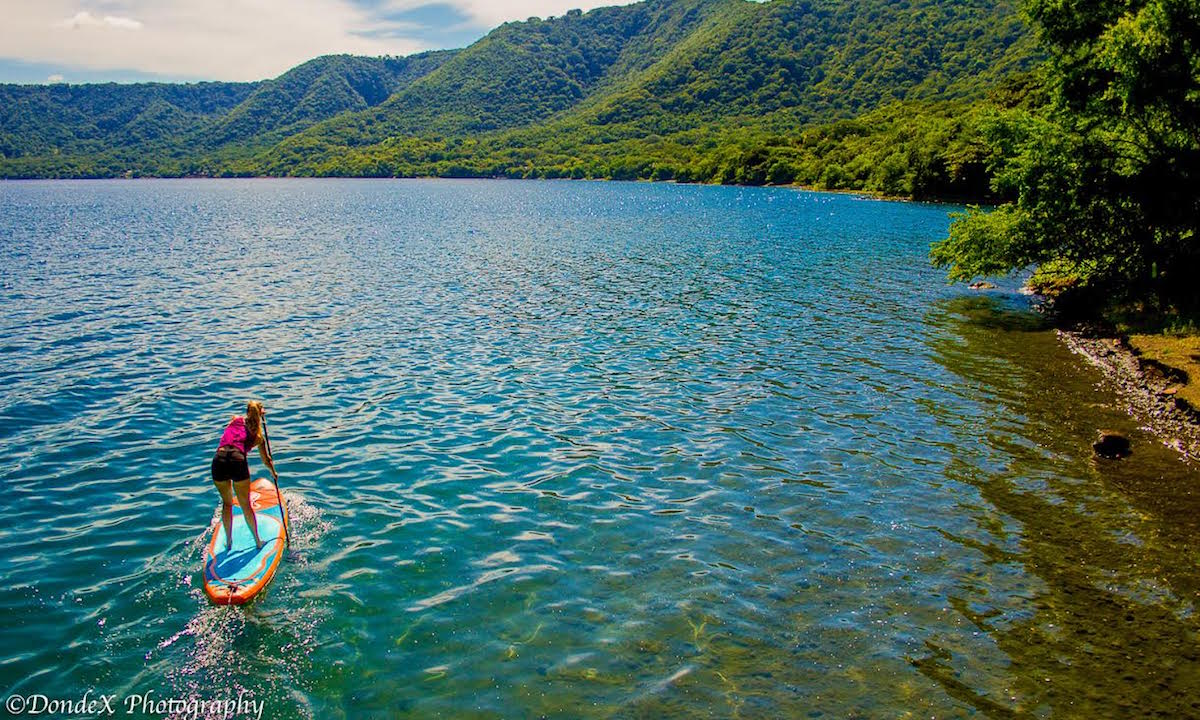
(230, 464)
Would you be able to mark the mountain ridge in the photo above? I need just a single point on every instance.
(668, 68)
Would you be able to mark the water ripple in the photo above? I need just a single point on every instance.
(568, 449)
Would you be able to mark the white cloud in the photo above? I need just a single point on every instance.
(55, 78)
(226, 40)
(83, 18)
(123, 23)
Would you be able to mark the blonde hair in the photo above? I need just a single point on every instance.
(254, 413)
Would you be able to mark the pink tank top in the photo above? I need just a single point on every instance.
(235, 436)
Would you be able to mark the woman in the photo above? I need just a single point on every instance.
(229, 467)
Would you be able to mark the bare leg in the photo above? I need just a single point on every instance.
(226, 510)
(242, 488)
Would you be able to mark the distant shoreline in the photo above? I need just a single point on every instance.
(865, 194)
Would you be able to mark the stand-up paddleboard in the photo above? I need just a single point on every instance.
(235, 576)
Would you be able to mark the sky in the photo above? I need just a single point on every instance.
(75, 41)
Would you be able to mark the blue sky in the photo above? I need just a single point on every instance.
(188, 40)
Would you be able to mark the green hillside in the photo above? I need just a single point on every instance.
(525, 72)
(51, 119)
(819, 61)
(517, 75)
(716, 65)
(317, 90)
(658, 89)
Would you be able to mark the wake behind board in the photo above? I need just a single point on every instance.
(235, 576)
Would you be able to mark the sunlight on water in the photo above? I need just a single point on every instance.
(220, 647)
(570, 450)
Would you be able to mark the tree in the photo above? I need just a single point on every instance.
(1107, 176)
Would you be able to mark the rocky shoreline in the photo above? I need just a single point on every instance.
(1148, 389)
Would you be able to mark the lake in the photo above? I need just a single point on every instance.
(569, 449)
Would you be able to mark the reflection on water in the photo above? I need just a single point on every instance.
(1099, 620)
(569, 450)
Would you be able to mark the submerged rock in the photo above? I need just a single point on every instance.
(1112, 445)
(982, 285)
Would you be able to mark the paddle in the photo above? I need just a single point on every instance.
(275, 479)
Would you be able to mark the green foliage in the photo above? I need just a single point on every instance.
(522, 73)
(47, 120)
(983, 243)
(874, 95)
(1106, 178)
(113, 128)
(1059, 279)
(318, 90)
(824, 60)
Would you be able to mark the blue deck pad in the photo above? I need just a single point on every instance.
(242, 564)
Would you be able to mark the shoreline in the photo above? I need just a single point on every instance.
(863, 193)
(1147, 390)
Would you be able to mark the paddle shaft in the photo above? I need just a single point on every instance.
(275, 479)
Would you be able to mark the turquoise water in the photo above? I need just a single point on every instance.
(569, 450)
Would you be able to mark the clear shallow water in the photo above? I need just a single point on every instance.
(569, 449)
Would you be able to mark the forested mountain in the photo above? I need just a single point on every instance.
(651, 89)
(47, 119)
(317, 90)
(819, 61)
(56, 120)
(526, 72)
